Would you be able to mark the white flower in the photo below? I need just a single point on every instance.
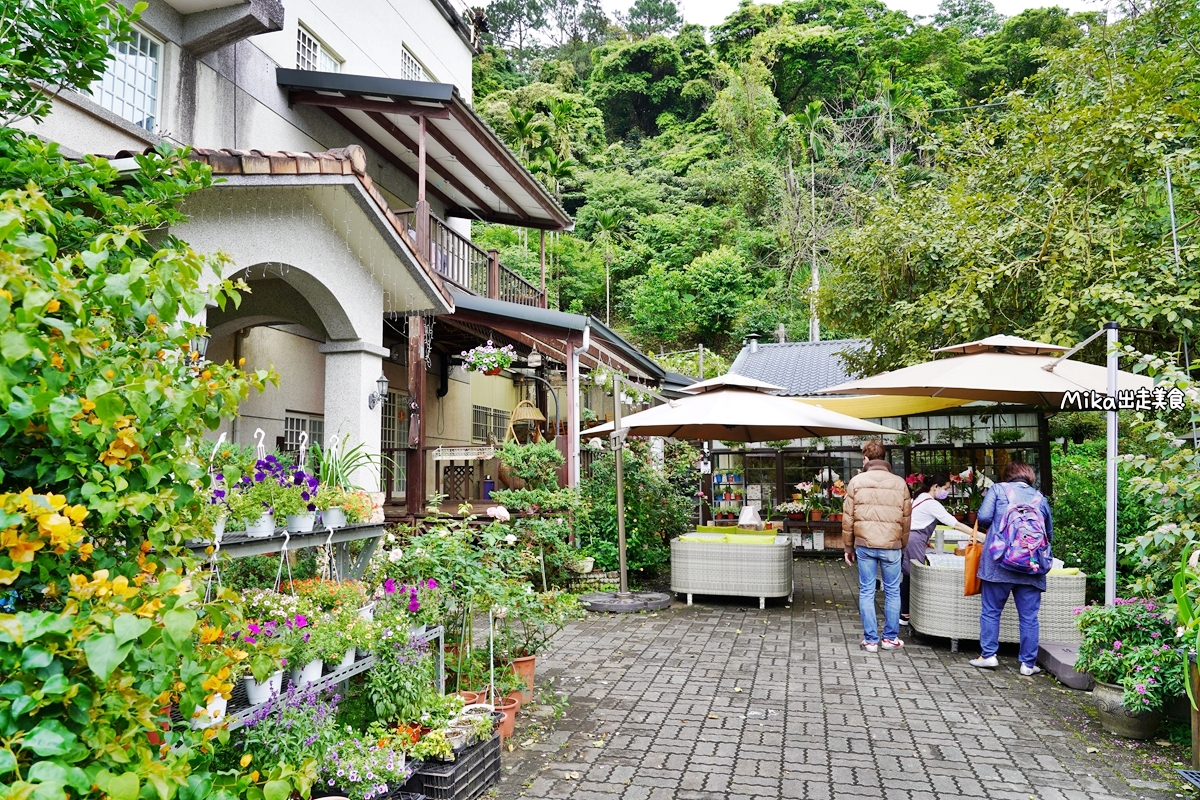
(511, 539)
(395, 555)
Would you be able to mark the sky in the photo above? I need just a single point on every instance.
(713, 12)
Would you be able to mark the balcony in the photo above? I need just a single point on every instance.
(468, 267)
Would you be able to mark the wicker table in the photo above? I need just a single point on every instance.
(738, 570)
(939, 608)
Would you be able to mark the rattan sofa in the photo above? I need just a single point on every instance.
(938, 607)
(730, 569)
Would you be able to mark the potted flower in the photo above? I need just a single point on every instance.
(326, 595)
(337, 468)
(331, 502)
(267, 651)
(488, 358)
(334, 637)
(298, 726)
(795, 510)
(1130, 649)
(307, 664)
(294, 501)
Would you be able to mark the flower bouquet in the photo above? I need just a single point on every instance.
(488, 358)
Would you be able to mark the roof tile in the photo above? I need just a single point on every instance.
(802, 368)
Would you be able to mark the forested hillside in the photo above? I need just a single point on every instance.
(939, 180)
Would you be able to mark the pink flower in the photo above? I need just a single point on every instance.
(431, 584)
(1141, 688)
(499, 513)
(389, 586)
(1117, 644)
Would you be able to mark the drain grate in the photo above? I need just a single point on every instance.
(1190, 775)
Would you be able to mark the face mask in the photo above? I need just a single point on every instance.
(941, 494)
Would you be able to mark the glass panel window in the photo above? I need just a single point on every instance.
(312, 55)
(393, 439)
(499, 424)
(481, 424)
(129, 86)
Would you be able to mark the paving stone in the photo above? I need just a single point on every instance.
(817, 718)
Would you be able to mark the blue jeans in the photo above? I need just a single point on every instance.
(870, 561)
(1028, 600)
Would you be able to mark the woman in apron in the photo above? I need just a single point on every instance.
(927, 513)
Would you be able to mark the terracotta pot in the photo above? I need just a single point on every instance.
(469, 697)
(495, 371)
(971, 517)
(796, 517)
(518, 696)
(816, 515)
(1121, 720)
(508, 708)
(524, 669)
(960, 517)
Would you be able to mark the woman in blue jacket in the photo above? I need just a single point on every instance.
(999, 582)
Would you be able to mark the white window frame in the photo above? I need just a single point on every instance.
(297, 422)
(313, 54)
(126, 88)
(411, 68)
(393, 433)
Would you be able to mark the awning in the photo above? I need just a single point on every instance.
(881, 406)
(468, 167)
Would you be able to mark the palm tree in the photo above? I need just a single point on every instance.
(817, 131)
(894, 100)
(560, 117)
(607, 236)
(556, 169)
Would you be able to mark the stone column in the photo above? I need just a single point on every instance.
(352, 369)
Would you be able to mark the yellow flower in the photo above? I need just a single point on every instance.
(85, 551)
(150, 607)
(254, 776)
(7, 576)
(88, 406)
(20, 549)
(53, 306)
(122, 589)
(246, 759)
(77, 513)
(208, 634)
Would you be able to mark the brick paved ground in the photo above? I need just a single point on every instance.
(721, 701)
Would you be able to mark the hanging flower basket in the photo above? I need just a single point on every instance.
(488, 358)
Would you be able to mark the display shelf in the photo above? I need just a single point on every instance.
(241, 710)
(237, 544)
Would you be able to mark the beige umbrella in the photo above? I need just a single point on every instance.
(1000, 369)
(739, 409)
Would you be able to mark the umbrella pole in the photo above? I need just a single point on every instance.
(1110, 517)
(619, 441)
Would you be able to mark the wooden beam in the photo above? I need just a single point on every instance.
(400, 136)
(542, 260)
(503, 219)
(469, 164)
(415, 458)
(363, 104)
(421, 171)
(504, 156)
(384, 153)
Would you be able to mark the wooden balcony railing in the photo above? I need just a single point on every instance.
(470, 268)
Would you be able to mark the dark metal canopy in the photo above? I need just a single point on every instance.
(470, 169)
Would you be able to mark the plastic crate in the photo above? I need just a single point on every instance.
(469, 776)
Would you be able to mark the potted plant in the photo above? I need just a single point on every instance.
(488, 359)
(795, 510)
(906, 439)
(334, 638)
(528, 621)
(953, 434)
(816, 510)
(294, 501)
(1006, 436)
(1130, 649)
(266, 650)
(306, 663)
(337, 467)
(363, 767)
(252, 500)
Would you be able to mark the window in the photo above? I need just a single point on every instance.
(312, 55)
(411, 69)
(129, 86)
(488, 424)
(394, 439)
(295, 423)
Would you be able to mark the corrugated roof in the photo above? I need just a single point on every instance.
(802, 368)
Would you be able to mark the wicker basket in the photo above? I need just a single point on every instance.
(737, 570)
(939, 608)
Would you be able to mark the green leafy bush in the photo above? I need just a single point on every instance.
(535, 463)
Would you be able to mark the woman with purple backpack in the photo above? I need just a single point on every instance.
(1009, 567)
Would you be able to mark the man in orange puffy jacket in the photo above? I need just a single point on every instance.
(875, 522)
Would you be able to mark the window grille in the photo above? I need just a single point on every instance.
(314, 56)
(294, 424)
(499, 424)
(480, 424)
(394, 439)
(129, 86)
(411, 69)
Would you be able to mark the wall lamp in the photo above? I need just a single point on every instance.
(376, 397)
(199, 346)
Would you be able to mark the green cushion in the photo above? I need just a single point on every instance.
(710, 538)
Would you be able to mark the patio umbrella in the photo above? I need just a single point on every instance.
(740, 409)
(1008, 369)
(731, 407)
(1000, 369)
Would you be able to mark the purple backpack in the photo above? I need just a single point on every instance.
(1020, 543)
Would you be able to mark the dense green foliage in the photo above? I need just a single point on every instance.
(950, 180)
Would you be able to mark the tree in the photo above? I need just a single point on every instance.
(648, 18)
(816, 129)
(972, 17)
(515, 24)
(608, 235)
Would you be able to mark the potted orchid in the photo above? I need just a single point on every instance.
(488, 358)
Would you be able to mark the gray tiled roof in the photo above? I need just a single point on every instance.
(801, 368)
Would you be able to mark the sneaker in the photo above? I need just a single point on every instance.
(904, 619)
(1029, 671)
(870, 647)
(892, 644)
(991, 662)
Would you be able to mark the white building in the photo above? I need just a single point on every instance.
(351, 166)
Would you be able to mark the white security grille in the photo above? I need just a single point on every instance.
(312, 55)
(129, 86)
(411, 69)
